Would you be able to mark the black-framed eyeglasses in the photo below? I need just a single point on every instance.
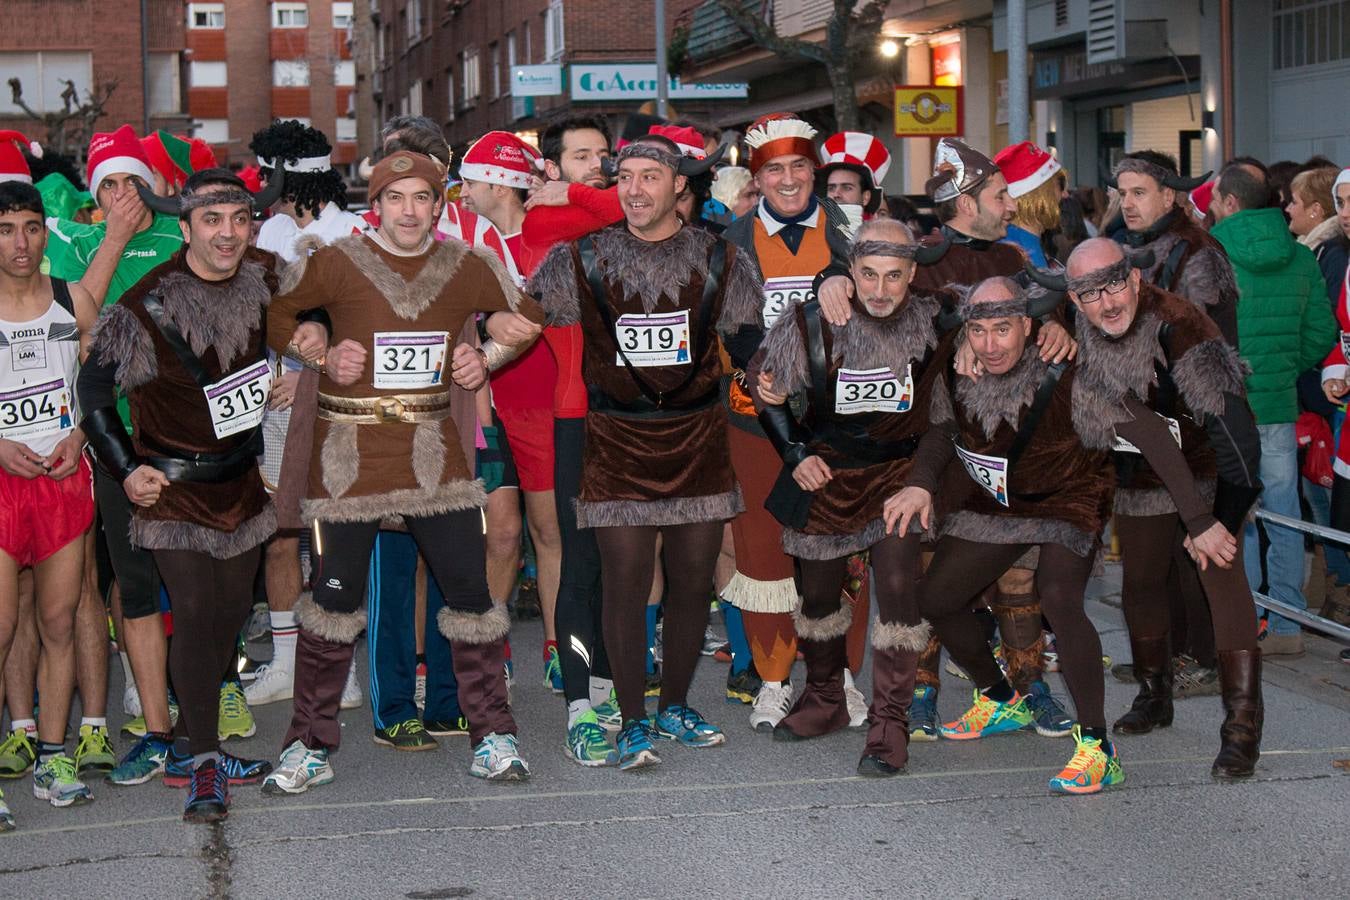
(1114, 286)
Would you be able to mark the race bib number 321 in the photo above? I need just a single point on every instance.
(238, 401)
(409, 359)
(661, 339)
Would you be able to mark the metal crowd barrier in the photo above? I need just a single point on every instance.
(1302, 616)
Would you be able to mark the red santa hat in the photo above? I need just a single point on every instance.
(499, 157)
(13, 167)
(688, 140)
(176, 157)
(118, 152)
(856, 150)
(779, 134)
(1026, 167)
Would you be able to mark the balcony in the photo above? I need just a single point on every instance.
(712, 33)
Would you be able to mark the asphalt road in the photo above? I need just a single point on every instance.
(750, 819)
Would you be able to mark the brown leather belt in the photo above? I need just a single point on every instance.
(387, 410)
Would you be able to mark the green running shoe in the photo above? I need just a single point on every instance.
(54, 781)
(586, 742)
(607, 713)
(17, 754)
(446, 727)
(235, 718)
(410, 736)
(989, 717)
(553, 679)
(94, 752)
(1092, 767)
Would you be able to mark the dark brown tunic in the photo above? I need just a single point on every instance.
(968, 264)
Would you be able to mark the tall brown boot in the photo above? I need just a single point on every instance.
(821, 708)
(478, 652)
(1244, 714)
(1152, 707)
(895, 662)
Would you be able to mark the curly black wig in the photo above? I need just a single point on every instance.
(289, 141)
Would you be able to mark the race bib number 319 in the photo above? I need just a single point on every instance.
(661, 339)
(409, 359)
(989, 472)
(237, 402)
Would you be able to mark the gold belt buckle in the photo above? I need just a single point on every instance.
(389, 409)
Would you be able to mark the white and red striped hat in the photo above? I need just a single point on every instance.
(1026, 167)
(499, 157)
(13, 167)
(117, 153)
(855, 149)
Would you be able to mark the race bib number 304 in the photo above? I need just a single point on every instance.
(410, 359)
(781, 294)
(237, 402)
(872, 390)
(989, 472)
(661, 339)
(35, 409)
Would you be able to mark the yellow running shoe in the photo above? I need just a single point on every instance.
(235, 718)
(1091, 768)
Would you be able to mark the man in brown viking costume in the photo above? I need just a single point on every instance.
(652, 296)
(385, 445)
(186, 346)
(868, 385)
(1143, 341)
(1035, 450)
(1191, 264)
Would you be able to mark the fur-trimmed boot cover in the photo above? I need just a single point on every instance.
(822, 708)
(323, 655)
(1020, 632)
(478, 651)
(895, 661)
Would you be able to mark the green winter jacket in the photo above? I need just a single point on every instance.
(1285, 325)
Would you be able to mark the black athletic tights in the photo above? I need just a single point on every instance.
(581, 647)
(628, 556)
(895, 578)
(962, 569)
(211, 599)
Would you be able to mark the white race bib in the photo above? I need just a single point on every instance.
(237, 401)
(872, 390)
(780, 294)
(35, 409)
(410, 359)
(989, 472)
(661, 339)
(1124, 446)
(1345, 344)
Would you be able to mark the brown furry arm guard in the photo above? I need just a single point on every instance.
(556, 287)
(783, 355)
(742, 294)
(1207, 280)
(120, 339)
(1205, 373)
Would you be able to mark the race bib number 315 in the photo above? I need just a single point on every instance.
(781, 294)
(237, 402)
(872, 390)
(409, 359)
(661, 339)
(989, 472)
(35, 409)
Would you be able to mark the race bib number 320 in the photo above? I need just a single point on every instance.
(989, 472)
(35, 409)
(238, 401)
(661, 339)
(409, 359)
(781, 294)
(872, 390)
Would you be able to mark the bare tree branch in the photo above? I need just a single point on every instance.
(763, 34)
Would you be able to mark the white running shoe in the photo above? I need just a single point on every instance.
(771, 705)
(301, 769)
(270, 685)
(857, 706)
(497, 758)
(131, 701)
(352, 698)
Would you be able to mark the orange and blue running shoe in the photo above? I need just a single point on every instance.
(989, 717)
(1091, 769)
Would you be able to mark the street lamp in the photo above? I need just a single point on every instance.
(890, 48)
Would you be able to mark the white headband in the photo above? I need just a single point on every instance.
(1343, 178)
(307, 164)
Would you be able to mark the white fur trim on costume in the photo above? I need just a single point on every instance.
(761, 596)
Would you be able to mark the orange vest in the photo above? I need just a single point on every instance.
(787, 280)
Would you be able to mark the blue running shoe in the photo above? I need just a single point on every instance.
(684, 724)
(635, 746)
(178, 769)
(208, 797)
(1047, 712)
(144, 761)
(553, 670)
(923, 724)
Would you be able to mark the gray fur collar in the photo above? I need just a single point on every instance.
(652, 271)
(220, 316)
(1109, 370)
(902, 338)
(995, 399)
(408, 300)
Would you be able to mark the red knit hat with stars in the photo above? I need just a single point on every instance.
(1026, 167)
(499, 157)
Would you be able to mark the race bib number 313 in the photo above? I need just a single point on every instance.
(661, 339)
(872, 390)
(989, 472)
(35, 409)
(781, 294)
(409, 359)
(237, 402)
